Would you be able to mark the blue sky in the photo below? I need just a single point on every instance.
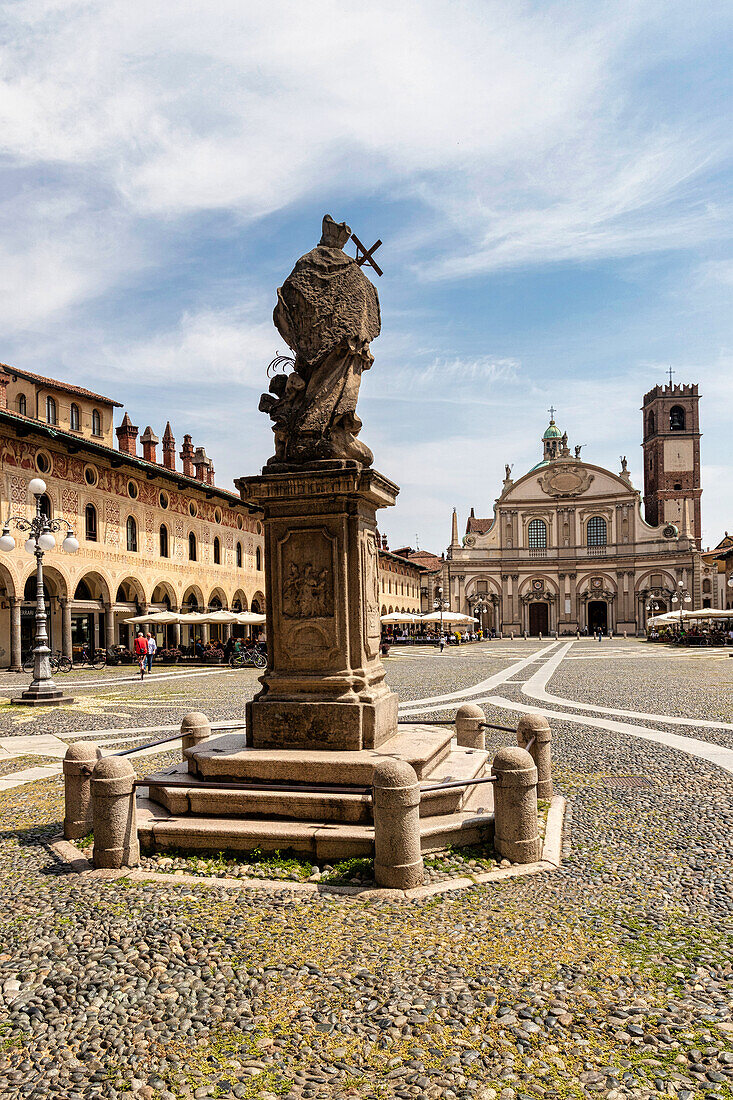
(551, 182)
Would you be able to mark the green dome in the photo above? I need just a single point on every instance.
(553, 432)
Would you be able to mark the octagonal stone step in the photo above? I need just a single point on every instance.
(159, 830)
(228, 757)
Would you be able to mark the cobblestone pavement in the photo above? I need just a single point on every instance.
(612, 976)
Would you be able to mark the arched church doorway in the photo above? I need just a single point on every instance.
(597, 616)
(538, 619)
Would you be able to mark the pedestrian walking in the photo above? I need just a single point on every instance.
(141, 652)
(152, 650)
(442, 642)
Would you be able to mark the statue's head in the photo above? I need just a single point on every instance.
(334, 234)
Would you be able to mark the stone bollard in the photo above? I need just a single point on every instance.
(469, 726)
(539, 635)
(624, 634)
(396, 800)
(511, 636)
(577, 635)
(195, 728)
(78, 767)
(536, 726)
(113, 805)
(516, 835)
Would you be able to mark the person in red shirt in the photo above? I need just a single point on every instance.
(141, 651)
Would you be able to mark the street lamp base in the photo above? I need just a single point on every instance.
(51, 699)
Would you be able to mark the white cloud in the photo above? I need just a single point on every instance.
(518, 127)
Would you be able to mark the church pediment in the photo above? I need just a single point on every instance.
(565, 480)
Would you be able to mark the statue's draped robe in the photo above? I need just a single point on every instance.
(328, 312)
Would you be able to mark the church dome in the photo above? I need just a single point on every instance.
(553, 432)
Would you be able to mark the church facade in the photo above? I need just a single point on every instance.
(568, 549)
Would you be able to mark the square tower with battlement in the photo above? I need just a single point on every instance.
(672, 456)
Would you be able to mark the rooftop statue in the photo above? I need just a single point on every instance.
(328, 313)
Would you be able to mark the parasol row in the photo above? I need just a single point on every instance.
(201, 618)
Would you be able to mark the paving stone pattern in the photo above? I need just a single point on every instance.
(612, 976)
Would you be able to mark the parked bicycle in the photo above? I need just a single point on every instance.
(252, 656)
(57, 661)
(87, 659)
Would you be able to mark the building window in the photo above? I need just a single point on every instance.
(22, 406)
(597, 531)
(132, 490)
(537, 534)
(676, 419)
(44, 504)
(258, 558)
(90, 475)
(96, 422)
(131, 534)
(74, 420)
(191, 546)
(50, 410)
(651, 424)
(163, 500)
(217, 551)
(90, 522)
(43, 463)
(707, 585)
(163, 541)
(239, 555)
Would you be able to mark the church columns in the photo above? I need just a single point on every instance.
(515, 598)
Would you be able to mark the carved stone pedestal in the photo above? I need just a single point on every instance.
(324, 687)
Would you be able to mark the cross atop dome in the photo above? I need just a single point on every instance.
(554, 442)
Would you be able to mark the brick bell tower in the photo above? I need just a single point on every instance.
(672, 456)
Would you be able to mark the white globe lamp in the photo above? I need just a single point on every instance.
(37, 486)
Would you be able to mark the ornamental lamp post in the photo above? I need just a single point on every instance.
(441, 605)
(42, 691)
(681, 595)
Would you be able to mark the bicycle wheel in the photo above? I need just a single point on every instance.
(234, 661)
(99, 660)
(64, 664)
(28, 664)
(259, 660)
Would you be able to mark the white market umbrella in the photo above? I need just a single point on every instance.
(161, 617)
(400, 617)
(447, 617)
(251, 618)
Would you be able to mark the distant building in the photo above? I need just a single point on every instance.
(717, 582)
(400, 582)
(431, 574)
(151, 536)
(567, 547)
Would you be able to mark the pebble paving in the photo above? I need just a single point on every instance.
(612, 976)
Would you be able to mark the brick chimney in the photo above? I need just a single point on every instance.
(127, 436)
(186, 455)
(149, 441)
(169, 448)
(201, 464)
(4, 380)
(210, 472)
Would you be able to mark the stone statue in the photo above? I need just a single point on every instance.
(624, 467)
(508, 470)
(564, 450)
(578, 450)
(328, 312)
